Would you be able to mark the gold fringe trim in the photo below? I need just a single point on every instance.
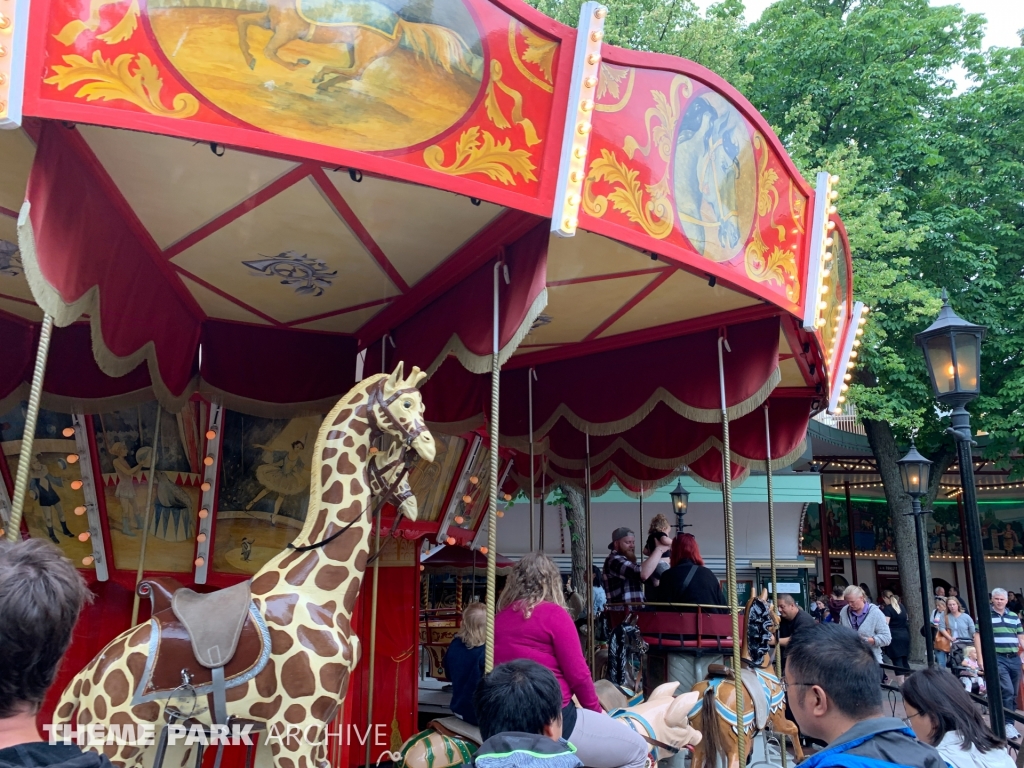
(64, 314)
(480, 364)
(661, 395)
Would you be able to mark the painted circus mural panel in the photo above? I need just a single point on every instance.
(55, 480)
(151, 474)
(264, 488)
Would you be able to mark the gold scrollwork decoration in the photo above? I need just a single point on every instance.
(478, 152)
(130, 77)
(120, 32)
(667, 110)
(774, 269)
(653, 215)
(609, 82)
(539, 51)
(797, 207)
(497, 115)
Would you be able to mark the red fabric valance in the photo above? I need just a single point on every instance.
(460, 322)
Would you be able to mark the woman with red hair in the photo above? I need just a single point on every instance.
(688, 580)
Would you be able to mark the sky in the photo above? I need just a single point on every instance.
(1005, 17)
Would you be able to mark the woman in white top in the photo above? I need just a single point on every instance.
(942, 714)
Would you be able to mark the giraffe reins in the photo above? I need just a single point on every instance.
(383, 500)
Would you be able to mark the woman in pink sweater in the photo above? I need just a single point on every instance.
(533, 623)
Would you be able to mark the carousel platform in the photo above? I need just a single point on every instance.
(435, 697)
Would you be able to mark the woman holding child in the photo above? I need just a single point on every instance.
(532, 623)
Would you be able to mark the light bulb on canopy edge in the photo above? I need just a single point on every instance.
(88, 560)
(450, 541)
(76, 485)
(69, 432)
(208, 461)
(83, 536)
(72, 458)
(211, 433)
(484, 550)
(200, 562)
(205, 487)
(80, 510)
(467, 499)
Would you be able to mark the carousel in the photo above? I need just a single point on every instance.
(290, 296)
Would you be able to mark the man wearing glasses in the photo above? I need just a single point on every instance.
(832, 686)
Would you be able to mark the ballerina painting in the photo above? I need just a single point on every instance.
(285, 477)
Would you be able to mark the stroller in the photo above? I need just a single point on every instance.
(966, 669)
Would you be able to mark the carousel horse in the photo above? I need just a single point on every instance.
(662, 721)
(276, 651)
(764, 701)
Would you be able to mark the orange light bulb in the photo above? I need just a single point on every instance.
(484, 550)
(450, 540)
(205, 487)
(200, 562)
(80, 510)
(87, 560)
(68, 431)
(76, 485)
(83, 536)
(208, 461)
(72, 458)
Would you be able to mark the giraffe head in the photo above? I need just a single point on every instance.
(397, 410)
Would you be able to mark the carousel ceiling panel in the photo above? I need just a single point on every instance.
(579, 308)
(176, 186)
(346, 322)
(588, 255)
(416, 227)
(792, 376)
(17, 151)
(291, 258)
(680, 297)
(21, 308)
(215, 305)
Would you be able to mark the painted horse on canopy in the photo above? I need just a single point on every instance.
(718, 695)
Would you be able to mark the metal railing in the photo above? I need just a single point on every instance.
(849, 421)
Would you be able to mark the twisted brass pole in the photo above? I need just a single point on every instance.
(492, 499)
(730, 557)
(771, 549)
(28, 436)
(149, 512)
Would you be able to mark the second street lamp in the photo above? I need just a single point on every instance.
(952, 352)
(680, 498)
(914, 473)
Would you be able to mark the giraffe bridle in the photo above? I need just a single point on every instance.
(387, 423)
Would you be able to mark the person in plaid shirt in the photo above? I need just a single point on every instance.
(623, 576)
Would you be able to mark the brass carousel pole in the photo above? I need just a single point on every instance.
(730, 555)
(589, 544)
(771, 550)
(492, 497)
(28, 436)
(531, 374)
(376, 579)
(149, 511)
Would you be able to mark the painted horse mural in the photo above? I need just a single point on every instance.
(718, 694)
(366, 29)
(707, 169)
(281, 648)
(662, 721)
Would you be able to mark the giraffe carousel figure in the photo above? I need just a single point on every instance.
(275, 652)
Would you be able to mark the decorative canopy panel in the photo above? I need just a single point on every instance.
(212, 204)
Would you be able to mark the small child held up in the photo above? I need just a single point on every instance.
(519, 707)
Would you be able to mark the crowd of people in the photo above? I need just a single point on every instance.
(538, 706)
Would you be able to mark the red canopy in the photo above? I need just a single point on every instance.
(462, 561)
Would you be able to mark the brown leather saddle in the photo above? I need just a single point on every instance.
(205, 643)
(456, 728)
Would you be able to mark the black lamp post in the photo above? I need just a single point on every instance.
(680, 498)
(952, 351)
(914, 472)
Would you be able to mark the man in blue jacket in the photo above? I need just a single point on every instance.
(519, 706)
(832, 684)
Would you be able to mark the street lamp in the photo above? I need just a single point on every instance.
(952, 352)
(914, 472)
(680, 498)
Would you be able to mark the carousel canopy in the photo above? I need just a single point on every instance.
(205, 214)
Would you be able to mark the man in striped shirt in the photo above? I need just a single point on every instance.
(1009, 641)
